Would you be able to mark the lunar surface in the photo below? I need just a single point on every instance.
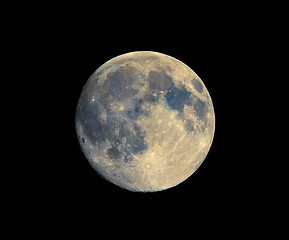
(145, 121)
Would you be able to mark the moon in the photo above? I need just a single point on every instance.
(145, 121)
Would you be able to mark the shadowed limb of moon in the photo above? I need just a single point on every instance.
(145, 121)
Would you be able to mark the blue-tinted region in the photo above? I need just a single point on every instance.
(114, 128)
(159, 80)
(135, 142)
(189, 125)
(88, 115)
(151, 97)
(134, 112)
(176, 98)
(120, 84)
(200, 108)
(197, 85)
(127, 158)
(113, 153)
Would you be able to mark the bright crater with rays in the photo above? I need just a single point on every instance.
(145, 121)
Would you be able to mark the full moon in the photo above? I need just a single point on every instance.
(145, 121)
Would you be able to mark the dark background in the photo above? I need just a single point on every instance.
(76, 55)
(62, 49)
(73, 54)
(50, 51)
